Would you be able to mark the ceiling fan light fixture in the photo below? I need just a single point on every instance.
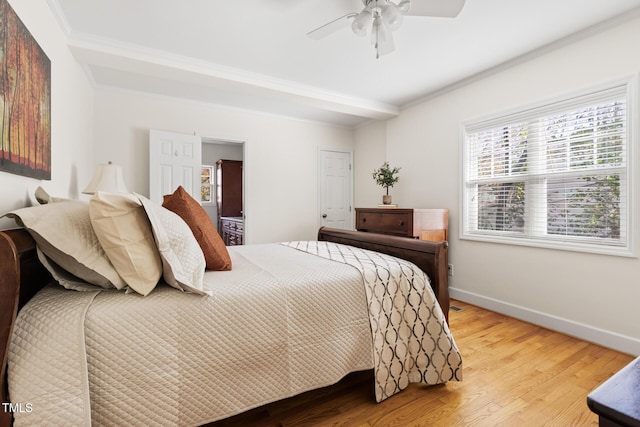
(392, 16)
(404, 6)
(361, 23)
(385, 16)
(381, 37)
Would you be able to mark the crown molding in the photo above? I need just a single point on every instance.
(109, 54)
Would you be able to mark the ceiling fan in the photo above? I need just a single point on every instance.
(381, 17)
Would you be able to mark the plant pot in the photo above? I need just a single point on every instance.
(386, 199)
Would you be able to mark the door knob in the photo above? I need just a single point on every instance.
(324, 215)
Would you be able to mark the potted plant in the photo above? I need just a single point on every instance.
(386, 177)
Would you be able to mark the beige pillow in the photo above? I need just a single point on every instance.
(183, 262)
(63, 232)
(124, 231)
(63, 277)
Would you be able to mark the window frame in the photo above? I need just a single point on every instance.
(628, 184)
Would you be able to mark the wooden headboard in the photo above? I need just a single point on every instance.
(21, 276)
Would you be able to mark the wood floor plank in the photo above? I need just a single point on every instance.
(514, 374)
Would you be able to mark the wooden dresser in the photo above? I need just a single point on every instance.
(229, 201)
(425, 224)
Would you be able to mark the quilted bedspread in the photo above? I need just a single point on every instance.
(411, 339)
(280, 323)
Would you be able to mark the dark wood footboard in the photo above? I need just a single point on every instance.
(431, 257)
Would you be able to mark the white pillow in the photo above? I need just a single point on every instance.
(64, 233)
(124, 231)
(183, 262)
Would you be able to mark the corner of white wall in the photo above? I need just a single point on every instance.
(71, 116)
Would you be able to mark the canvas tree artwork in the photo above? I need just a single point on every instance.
(25, 100)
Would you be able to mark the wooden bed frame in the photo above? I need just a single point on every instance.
(22, 275)
(430, 257)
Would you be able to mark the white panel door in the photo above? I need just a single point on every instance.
(335, 189)
(174, 159)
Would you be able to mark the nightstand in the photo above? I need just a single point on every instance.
(617, 400)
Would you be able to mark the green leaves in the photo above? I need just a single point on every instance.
(385, 176)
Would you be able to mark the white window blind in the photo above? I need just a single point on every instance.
(556, 175)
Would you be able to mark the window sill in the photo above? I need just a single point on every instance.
(557, 244)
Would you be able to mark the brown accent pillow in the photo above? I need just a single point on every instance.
(214, 250)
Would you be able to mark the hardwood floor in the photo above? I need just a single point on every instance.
(514, 374)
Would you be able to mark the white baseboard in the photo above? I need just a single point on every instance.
(589, 333)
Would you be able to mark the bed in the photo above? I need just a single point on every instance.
(287, 318)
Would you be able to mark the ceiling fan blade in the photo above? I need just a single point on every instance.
(331, 27)
(438, 8)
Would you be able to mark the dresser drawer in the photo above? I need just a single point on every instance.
(398, 222)
(231, 230)
(232, 226)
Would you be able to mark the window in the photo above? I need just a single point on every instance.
(556, 175)
(206, 185)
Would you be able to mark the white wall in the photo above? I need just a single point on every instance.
(71, 117)
(280, 164)
(592, 296)
(369, 154)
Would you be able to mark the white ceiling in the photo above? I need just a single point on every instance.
(254, 54)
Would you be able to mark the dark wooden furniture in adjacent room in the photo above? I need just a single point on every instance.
(229, 201)
(425, 224)
(232, 230)
(617, 400)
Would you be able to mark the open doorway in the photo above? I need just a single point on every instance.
(217, 155)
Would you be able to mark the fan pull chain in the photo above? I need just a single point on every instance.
(376, 45)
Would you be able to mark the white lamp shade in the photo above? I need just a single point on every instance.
(108, 177)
